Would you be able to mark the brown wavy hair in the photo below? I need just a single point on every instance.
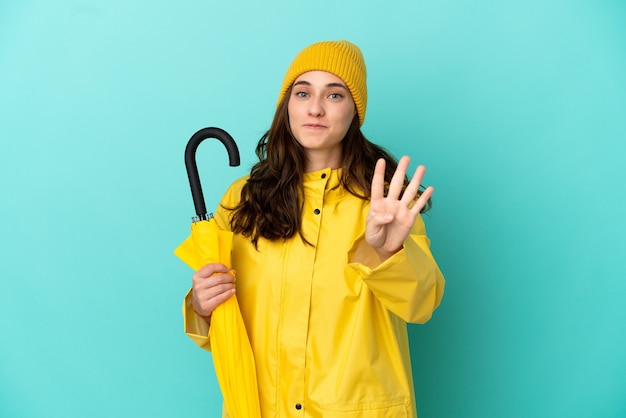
(272, 199)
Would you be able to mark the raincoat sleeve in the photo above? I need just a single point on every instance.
(195, 326)
(409, 283)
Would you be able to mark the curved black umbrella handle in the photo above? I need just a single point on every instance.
(192, 168)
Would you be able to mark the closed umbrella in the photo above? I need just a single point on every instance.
(232, 353)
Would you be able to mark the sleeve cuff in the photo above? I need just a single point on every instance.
(195, 326)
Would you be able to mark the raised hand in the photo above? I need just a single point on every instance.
(390, 217)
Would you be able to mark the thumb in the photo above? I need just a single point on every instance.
(383, 218)
(377, 221)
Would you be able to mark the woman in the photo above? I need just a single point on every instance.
(330, 255)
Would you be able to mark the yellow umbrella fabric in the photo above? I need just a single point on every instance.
(232, 353)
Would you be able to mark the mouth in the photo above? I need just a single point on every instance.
(313, 126)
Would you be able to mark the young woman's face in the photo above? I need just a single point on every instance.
(321, 110)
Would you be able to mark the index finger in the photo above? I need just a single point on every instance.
(378, 181)
(209, 269)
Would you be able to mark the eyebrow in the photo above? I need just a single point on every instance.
(306, 83)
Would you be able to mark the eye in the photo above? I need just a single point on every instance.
(301, 94)
(335, 96)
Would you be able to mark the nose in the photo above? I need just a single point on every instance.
(316, 107)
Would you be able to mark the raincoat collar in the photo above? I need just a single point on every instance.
(327, 182)
(329, 176)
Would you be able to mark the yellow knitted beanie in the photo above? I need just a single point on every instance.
(341, 58)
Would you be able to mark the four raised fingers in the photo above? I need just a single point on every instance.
(397, 184)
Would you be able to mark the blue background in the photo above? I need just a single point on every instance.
(518, 109)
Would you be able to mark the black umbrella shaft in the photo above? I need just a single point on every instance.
(192, 168)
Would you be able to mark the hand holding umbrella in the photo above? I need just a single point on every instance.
(212, 285)
(208, 244)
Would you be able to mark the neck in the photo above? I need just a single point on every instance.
(316, 161)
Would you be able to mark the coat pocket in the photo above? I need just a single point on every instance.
(396, 408)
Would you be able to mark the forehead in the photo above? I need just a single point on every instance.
(319, 77)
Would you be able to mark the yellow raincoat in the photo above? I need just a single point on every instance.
(327, 323)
